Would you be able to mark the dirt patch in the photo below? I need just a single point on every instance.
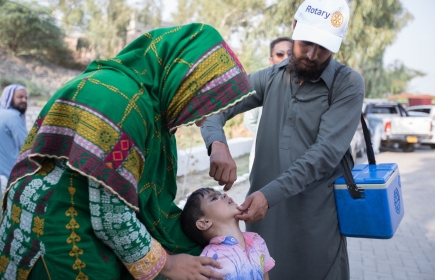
(47, 76)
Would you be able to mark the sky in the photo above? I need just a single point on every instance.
(414, 45)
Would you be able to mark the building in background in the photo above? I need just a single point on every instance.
(408, 99)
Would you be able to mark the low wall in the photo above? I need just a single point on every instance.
(196, 158)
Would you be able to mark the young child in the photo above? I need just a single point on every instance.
(208, 219)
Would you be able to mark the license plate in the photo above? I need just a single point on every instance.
(411, 139)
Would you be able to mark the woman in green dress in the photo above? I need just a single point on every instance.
(91, 194)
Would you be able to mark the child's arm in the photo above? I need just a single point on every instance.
(266, 276)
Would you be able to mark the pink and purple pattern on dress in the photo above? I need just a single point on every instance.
(238, 263)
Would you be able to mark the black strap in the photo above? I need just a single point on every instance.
(369, 148)
(332, 85)
(345, 162)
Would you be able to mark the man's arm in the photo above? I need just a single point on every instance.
(222, 166)
(337, 127)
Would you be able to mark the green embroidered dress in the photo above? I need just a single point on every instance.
(91, 194)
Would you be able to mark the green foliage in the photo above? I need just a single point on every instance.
(235, 20)
(33, 88)
(149, 12)
(30, 30)
(389, 81)
(374, 26)
(398, 75)
(105, 22)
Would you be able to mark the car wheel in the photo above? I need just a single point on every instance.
(408, 148)
(360, 153)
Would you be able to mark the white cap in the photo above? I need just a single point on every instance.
(323, 22)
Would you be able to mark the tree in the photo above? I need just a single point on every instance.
(373, 27)
(398, 76)
(235, 20)
(149, 12)
(105, 22)
(30, 30)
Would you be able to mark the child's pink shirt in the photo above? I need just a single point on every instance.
(235, 261)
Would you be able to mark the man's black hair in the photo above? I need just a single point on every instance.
(191, 213)
(278, 40)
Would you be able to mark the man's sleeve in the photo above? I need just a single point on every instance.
(118, 227)
(337, 127)
(212, 130)
(18, 130)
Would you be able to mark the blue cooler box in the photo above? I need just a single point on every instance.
(379, 213)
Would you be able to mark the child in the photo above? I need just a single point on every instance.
(208, 219)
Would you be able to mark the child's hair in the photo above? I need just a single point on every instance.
(191, 213)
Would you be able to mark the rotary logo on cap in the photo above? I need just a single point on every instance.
(337, 19)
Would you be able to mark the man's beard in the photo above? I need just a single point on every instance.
(21, 107)
(306, 73)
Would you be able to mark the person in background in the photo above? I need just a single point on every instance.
(91, 195)
(279, 50)
(13, 132)
(301, 140)
(208, 219)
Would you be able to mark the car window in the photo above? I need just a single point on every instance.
(384, 110)
(423, 110)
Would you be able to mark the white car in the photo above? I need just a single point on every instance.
(428, 110)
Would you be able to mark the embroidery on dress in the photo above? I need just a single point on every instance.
(73, 238)
(38, 227)
(114, 224)
(54, 176)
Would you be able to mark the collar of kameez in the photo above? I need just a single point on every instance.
(230, 240)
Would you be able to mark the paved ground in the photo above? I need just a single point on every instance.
(410, 254)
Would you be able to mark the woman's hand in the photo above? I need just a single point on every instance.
(187, 267)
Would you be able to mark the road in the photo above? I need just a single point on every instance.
(410, 254)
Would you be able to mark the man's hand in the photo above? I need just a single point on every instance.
(187, 267)
(222, 165)
(254, 208)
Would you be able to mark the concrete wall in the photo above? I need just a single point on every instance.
(31, 115)
(196, 159)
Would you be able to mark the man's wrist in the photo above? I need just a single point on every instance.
(209, 149)
(272, 195)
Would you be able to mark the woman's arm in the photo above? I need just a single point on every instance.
(266, 276)
(118, 227)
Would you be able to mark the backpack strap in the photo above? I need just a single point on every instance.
(332, 84)
(347, 158)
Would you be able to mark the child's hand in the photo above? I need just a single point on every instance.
(254, 208)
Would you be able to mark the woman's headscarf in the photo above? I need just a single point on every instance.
(8, 95)
(112, 123)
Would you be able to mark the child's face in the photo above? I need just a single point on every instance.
(219, 207)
